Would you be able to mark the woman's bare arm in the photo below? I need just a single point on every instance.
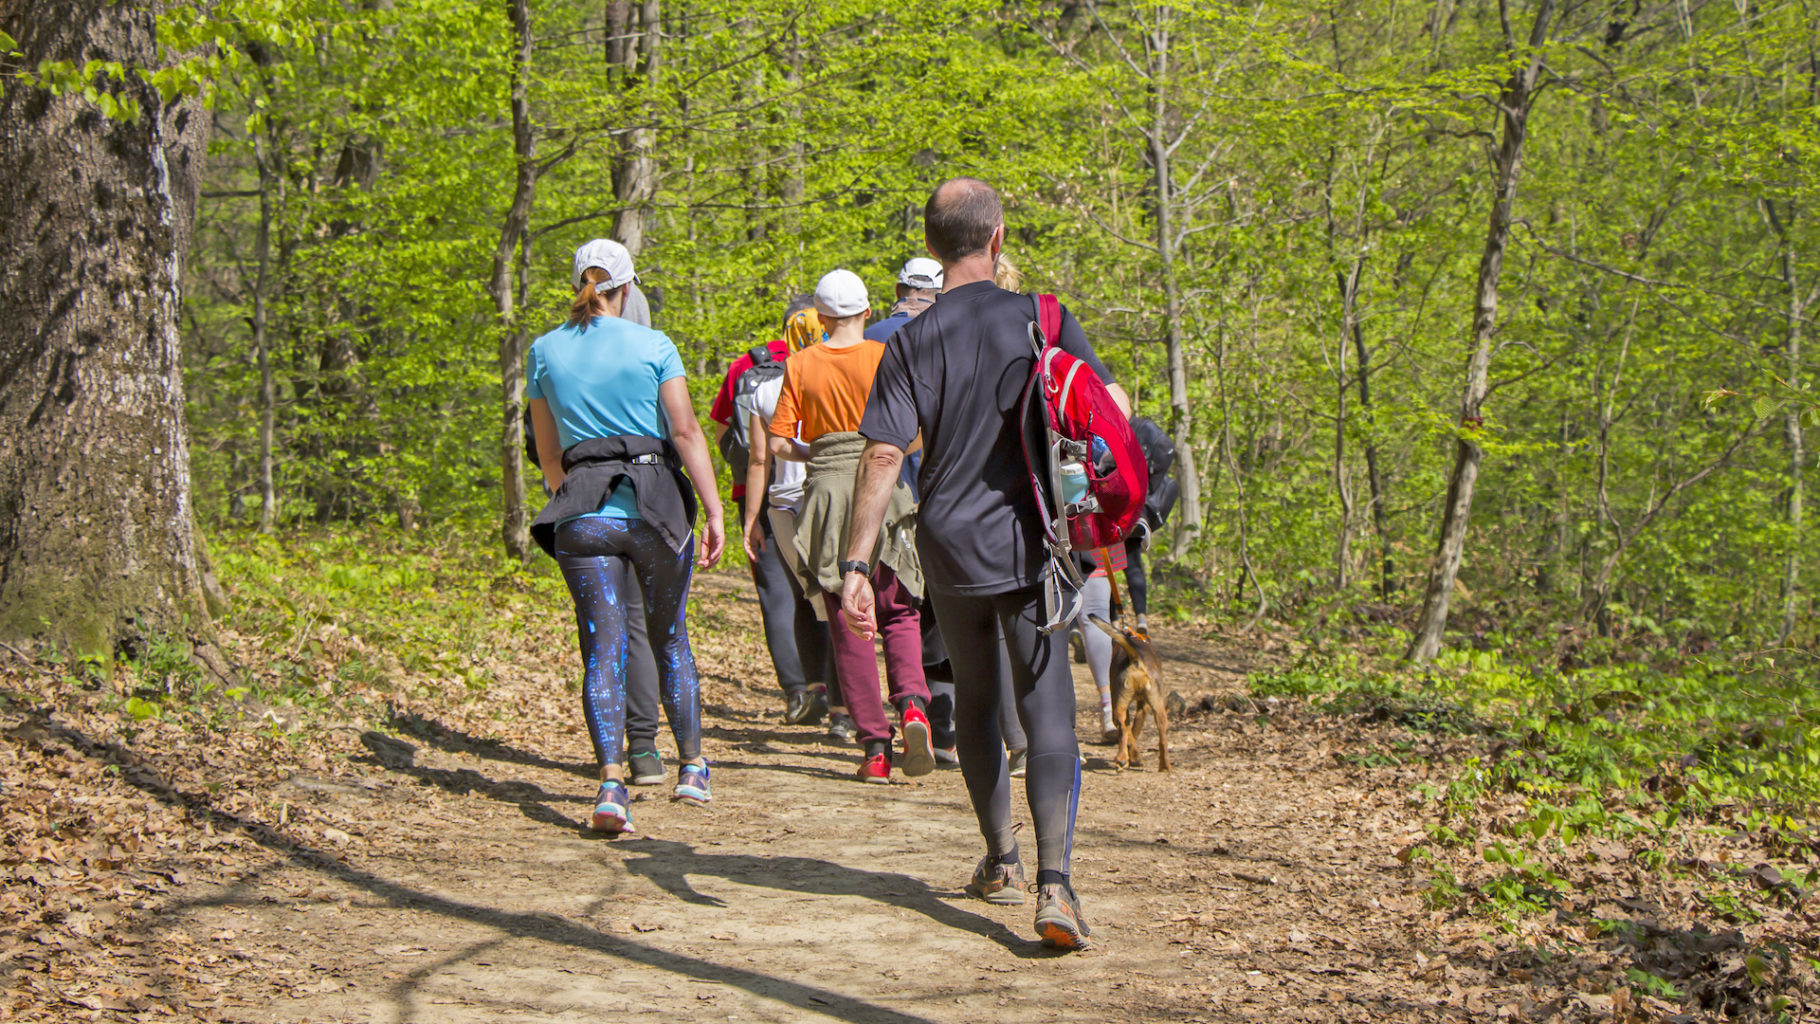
(692, 445)
(549, 443)
(758, 477)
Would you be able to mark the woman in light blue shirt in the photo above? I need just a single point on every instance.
(615, 432)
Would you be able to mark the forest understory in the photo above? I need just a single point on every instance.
(382, 818)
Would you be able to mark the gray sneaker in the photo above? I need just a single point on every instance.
(805, 707)
(647, 768)
(1018, 760)
(1058, 919)
(998, 883)
(841, 728)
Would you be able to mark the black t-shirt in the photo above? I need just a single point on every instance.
(957, 373)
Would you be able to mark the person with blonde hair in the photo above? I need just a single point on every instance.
(1007, 276)
(616, 434)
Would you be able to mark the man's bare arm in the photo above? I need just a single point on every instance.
(871, 495)
(878, 467)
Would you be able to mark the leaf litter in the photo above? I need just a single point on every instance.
(263, 859)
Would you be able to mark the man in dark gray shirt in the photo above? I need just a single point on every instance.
(955, 375)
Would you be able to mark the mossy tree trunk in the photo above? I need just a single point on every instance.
(97, 534)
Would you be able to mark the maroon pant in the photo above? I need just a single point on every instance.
(856, 666)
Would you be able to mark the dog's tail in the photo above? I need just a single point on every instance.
(1118, 636)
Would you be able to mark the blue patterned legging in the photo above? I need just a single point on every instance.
(597, 556)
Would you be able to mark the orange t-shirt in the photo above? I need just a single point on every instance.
(825, 390)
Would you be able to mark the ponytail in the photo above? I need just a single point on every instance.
(590, 301)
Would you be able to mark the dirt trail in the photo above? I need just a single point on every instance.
(457, 883)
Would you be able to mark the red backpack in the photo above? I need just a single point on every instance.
(1086, 466)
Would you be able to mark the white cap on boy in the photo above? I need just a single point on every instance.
(920, 272)
(609, 256)
(840, 293)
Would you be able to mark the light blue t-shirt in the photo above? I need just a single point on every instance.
(601, 380)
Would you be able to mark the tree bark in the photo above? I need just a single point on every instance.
(1349, 324)
(262, 353)
(1181, 421)
(97, 532)
(635, 169)
(1380, 513)
(514, 527)
(1782, 223)
(1514, 104)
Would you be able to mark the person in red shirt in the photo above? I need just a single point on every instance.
(796, 638)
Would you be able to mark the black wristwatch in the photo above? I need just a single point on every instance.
(859, 567)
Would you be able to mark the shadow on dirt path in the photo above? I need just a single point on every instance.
(457, 882)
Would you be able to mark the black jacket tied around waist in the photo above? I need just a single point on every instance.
(595, 466)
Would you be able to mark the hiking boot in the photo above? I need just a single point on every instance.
(1018, 760)
(947, 755)
(919, 753)
(612, 809)
(841, 728)
(997, 882)
(647, 768)
(692, 783)
(1078, 645)
(876, 768)
(1058, 918)
(805, 707)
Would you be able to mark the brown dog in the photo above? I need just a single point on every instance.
(1137, 684)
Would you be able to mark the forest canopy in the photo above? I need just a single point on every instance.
(1274, 222)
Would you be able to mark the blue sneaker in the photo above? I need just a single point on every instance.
(692, 783)
(612, 809)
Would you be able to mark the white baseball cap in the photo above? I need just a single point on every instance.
(920, 272)
(609, 256)
(840, 293)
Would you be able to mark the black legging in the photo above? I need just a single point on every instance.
(1040, 677)
(642, 689)
(1135, 584)
(597, 556)
(799, 651)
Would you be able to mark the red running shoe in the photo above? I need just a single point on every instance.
(919, 752)
(876, 768)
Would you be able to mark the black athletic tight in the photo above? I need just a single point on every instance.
(642, 687)
(598, 557)
(796, 639)
(1040, 678)
(1135, 584)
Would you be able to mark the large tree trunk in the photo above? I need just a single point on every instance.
(97, 534)
(514, 525)
(1515, 100)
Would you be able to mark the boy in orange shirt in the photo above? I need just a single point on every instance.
(824, 396)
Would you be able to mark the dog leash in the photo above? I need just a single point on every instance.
(1118, 606)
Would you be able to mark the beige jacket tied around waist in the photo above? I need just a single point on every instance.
(821, 519)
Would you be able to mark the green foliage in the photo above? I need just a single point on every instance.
(1662, 231)
(358, 612)
(1591, 747)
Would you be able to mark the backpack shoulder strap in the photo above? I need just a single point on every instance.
(1048, 319)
